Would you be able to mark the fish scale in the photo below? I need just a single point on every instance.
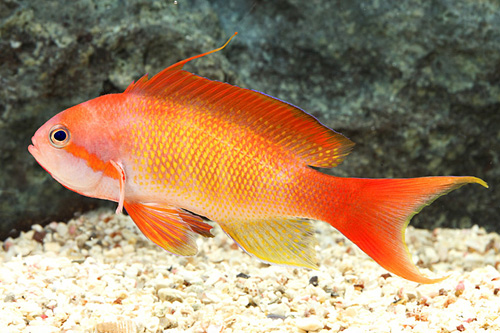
(175, 147)
(196, 159)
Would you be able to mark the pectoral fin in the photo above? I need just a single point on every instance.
(169, 227)
(121, 177)
(280, 240)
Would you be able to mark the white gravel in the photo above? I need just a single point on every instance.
(97, 273)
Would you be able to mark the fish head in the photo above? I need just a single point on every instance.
(71, 148)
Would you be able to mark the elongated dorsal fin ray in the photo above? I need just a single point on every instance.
(180, 64)
(143, 82)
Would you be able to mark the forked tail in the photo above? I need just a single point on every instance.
(375, 212)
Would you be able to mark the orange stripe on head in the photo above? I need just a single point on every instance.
(93, 161)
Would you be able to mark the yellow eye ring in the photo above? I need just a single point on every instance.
(59, 136)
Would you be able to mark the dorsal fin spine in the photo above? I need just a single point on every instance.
(180, 64)
(156, 81)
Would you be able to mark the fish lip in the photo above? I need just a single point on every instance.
(33, 149)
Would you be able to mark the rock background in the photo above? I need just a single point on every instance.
(415, 85)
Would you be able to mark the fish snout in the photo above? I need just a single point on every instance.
(33, 149)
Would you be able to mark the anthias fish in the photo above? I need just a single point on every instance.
(178, 146)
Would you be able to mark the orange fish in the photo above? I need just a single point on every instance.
(178, 146)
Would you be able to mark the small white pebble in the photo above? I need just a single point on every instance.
(278, 309)
(169, 321)
(128, 249)
(171, 295)
(354, 330)
(243, 300)
(115, 252)
(52, 247)
(351, 311)
(309, 323)
(62, 229)
(209, 297)
(191, 277)
(53, 225)
(215, 329)
(37, 227)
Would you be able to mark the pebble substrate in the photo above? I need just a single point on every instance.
(98, 273)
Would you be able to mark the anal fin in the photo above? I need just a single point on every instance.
(169, 227)
(278, 240)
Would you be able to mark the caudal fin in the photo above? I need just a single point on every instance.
(376, 212)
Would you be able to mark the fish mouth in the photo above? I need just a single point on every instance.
(35, 152)
(33, 149)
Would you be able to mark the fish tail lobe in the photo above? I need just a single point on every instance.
(374, 213)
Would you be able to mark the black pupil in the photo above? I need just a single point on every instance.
(60, 135)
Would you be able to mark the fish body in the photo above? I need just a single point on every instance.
(178, 144)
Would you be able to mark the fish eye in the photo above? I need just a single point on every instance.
(59, 136)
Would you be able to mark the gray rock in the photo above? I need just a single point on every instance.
(415, 85)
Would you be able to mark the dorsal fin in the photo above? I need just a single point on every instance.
(278, 122)
(144, 84)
